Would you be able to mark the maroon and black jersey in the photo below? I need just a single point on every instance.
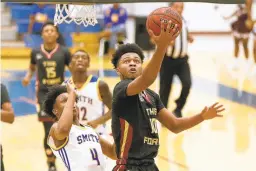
(134, 125)
(240, 24)
(50, 65)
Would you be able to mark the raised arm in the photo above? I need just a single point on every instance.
(231, 16)
(249, 8)
(61, 129)
(151, 70)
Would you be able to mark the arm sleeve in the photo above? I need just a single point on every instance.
(33, 57)
(4, 95)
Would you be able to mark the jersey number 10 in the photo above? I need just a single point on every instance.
(153, 123)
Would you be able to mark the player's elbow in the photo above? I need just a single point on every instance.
(174, 129)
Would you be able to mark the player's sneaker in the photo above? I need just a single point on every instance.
(52, 168)
(234, 64)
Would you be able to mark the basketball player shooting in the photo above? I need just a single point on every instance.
(79, 147)
(136, 108)
(93, 93)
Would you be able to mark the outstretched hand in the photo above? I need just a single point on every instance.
(213, 111)
(167, 34)
(71, 90)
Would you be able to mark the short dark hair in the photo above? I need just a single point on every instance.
(126, 48)
(50, 98)
(49, 23)
(80, 50)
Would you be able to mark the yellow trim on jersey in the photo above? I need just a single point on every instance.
(83, 127)
(85, 84)
(126, 128)
(98, 90)
(60, 147)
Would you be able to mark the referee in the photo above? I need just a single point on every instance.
(176, 63)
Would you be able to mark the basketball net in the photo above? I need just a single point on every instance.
(80, 14)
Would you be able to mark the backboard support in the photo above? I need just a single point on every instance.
(124, 1)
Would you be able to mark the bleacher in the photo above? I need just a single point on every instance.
(17, 43)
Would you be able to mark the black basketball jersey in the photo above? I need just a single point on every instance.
(50, 65)
(134, 125)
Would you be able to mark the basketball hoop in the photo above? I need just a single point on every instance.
(80, 14)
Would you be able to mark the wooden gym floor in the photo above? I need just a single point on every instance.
(223, 144)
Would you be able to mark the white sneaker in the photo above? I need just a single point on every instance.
(253, 71)
(234, 64)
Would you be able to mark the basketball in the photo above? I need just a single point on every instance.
(162, 14)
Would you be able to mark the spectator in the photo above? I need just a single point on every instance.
(241, 34)
(114, 19)
(38, 18)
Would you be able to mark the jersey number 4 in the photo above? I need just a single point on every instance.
(95, 155)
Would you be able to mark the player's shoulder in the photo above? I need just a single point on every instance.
(63, 48)
(122, 10)
(122, 84)
(36, 50)
(125, 81)
(152, 93)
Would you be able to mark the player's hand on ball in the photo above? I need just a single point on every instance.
(167, 34)
(212, 112)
